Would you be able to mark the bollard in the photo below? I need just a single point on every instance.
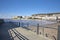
(37, 29)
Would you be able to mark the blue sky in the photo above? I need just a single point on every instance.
(9, 8)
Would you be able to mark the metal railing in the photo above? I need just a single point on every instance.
(37, 28)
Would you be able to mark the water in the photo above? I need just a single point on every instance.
(31, 22)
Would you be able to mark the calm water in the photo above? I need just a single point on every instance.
(31, 22)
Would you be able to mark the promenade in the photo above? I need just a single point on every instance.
(9, 31)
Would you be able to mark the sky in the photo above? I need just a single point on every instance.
(10, 8)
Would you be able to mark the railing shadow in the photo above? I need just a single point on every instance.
(19, 35)
(4, 32)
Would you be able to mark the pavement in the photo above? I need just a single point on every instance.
(9, 31)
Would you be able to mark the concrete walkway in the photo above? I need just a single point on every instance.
(9, 31)
(28, 34)
(4, 33)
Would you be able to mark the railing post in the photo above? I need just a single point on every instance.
(27, 24)
(19, 24)
(37, 28)
(22, 24)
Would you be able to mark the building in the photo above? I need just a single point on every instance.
(47, 16)
(27, 17)
(17, 17)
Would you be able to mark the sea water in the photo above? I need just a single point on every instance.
(30, 22)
